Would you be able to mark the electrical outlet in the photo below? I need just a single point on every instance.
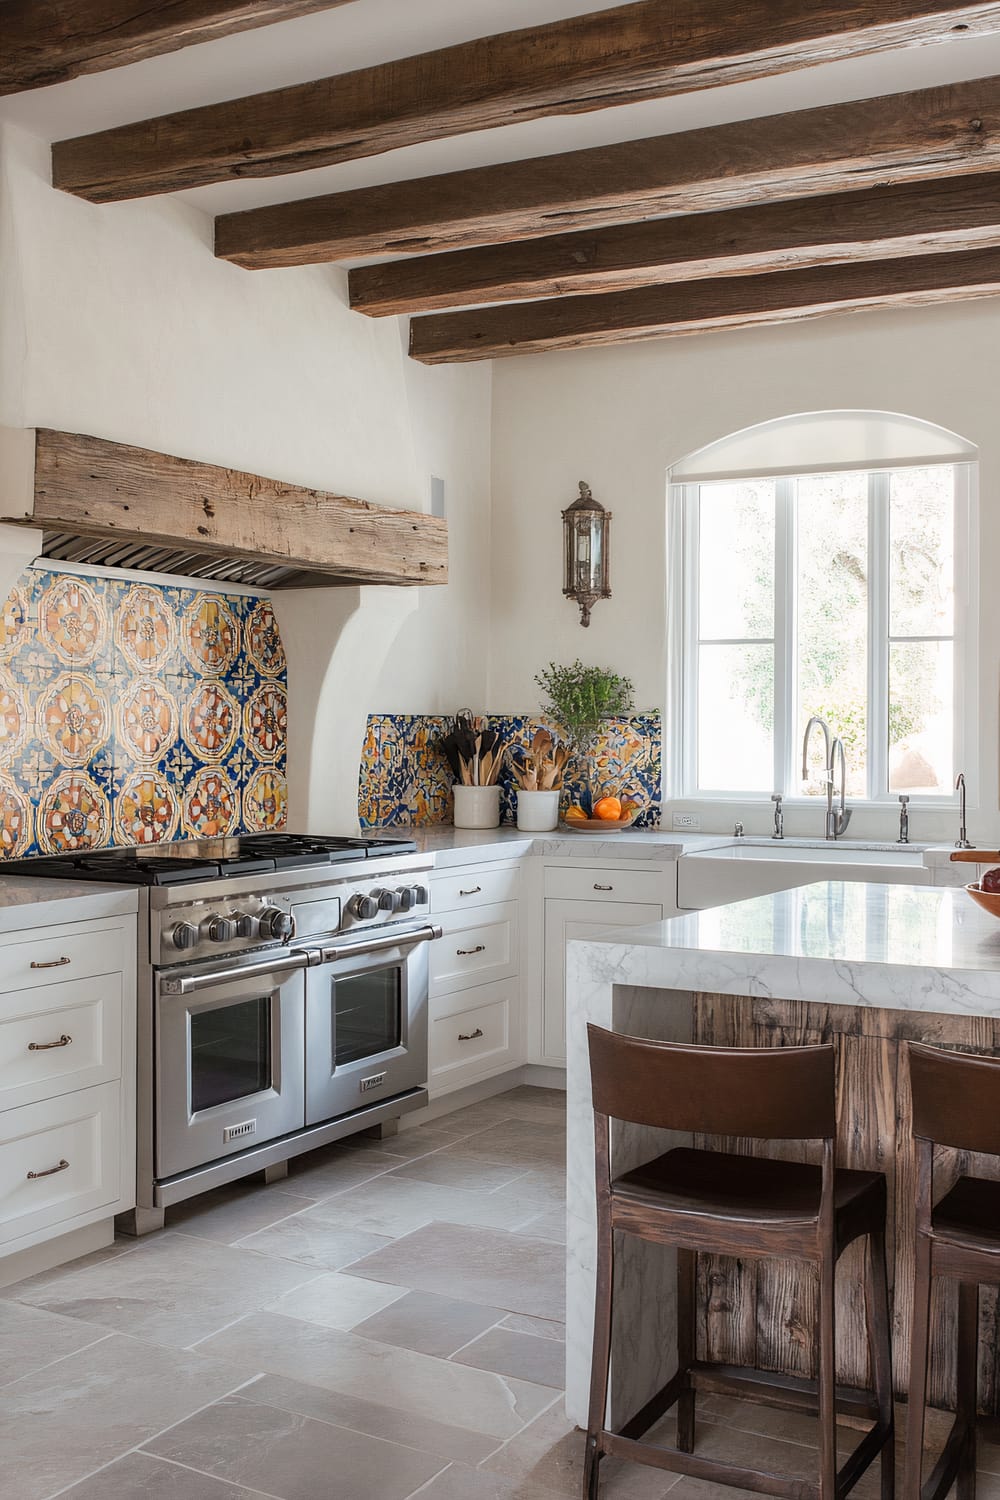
(685, 822)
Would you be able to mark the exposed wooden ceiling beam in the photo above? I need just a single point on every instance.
(900, 137)
(700, 306)
(873, 224)
(49, 41)
(617, 56)
(88, 486)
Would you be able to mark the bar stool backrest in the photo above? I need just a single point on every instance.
(956, 1098)
(768, 1093)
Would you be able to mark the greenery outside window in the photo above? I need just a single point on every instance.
(841, 594)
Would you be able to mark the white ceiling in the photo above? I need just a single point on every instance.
(372, 31)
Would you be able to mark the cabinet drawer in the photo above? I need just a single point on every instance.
(60, 954)
(59, 1038)
(58, 1159)
(483, 886)
(474, 1040)
(590, 884)
(476, 947)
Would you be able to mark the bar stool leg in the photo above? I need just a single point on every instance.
(827, 1376)
(917, 1387)
(600, 1366)
(880, 1353)
(687, 1264)
(965, 1403)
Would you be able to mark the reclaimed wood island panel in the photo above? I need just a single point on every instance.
(867, 968)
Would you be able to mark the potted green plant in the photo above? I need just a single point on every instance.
(580, 698)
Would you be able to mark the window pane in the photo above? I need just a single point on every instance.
(832, 600)
(922, 551)
(736, 718)
(921, 717)
(736, 588)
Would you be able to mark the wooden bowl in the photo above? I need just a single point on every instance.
(601, 825)
(988, 900)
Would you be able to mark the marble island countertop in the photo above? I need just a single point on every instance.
(899, 947)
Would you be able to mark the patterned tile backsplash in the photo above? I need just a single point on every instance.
(405, 779)
(132, 713)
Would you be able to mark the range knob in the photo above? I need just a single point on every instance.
(363, 907)
(184, 935)
(246, 923)
(421, 895)
(387, 900)
(406, 897)
(220, 929)
(275, 923)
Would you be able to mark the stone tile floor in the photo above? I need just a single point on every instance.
(386, 1323)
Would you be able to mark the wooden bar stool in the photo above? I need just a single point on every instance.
(956, 1102)
(744, 1206)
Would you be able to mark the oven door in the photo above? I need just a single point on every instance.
(229, 1061)
(366, 1024)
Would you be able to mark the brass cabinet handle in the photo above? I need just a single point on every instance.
(603, 887)
(467, 952)
(474, 892)
(472, 1035)
(51, 963)
(49, 1171)
(63, 1041)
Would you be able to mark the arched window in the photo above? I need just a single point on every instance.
(820, 565)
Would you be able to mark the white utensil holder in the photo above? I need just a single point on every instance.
(537, 812)
(476, 806)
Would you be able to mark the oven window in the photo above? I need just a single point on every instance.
(367, 1010)
(230, 1052)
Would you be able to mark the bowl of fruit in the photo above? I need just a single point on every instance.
(605, 815)
(986, 892)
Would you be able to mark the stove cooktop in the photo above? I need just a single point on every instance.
(209, 859)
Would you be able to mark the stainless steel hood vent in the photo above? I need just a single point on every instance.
(112, 552)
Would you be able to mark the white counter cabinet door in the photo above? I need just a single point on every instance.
(577, 919)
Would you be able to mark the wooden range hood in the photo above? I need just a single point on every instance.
(111, 504)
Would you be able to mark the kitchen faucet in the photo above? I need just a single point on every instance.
(836, 820)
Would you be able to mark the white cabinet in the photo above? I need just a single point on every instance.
(475, 986)
(577, 919)
(67, 1079)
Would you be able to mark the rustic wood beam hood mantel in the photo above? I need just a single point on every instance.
(643, 50)
(49, 41)
(932, 133)
(153, 511)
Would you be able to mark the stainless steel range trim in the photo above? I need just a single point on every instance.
(185, 1184)
(190, 984)
(391, 939)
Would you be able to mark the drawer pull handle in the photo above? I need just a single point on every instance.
(49, 1171)
(603, 887)
(471, 1036)
(63, 1041)
(50, 963)
(474, 891)
(467, 952)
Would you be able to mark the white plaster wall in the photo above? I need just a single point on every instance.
(119, 321)
(619, 417)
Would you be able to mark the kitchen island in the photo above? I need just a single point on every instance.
(867, 967)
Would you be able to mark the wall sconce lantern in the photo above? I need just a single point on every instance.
(586, 533)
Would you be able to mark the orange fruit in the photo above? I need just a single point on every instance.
(575, 812)
(609, 808)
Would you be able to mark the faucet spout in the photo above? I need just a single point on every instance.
(842, 816)
(836, 819)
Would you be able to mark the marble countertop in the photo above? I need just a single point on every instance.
(454, 846)
(898, 947)
(26, 902)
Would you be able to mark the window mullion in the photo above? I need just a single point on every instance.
(784, 634)
(878, 634)
(691, 552)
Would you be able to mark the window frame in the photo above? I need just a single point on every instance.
(683, 542)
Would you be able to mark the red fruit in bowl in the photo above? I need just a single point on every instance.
(991, 882)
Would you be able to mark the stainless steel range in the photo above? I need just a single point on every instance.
(282, 1000)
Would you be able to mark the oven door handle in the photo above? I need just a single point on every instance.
(190, 984)
(335, 954)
